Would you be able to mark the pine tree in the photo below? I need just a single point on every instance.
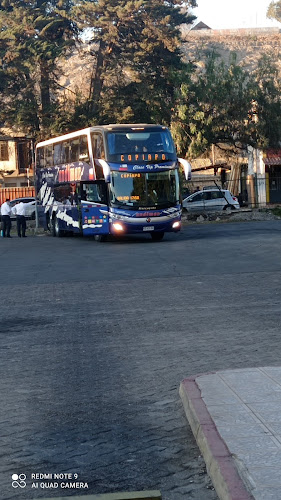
(137, 57)
(33, 35)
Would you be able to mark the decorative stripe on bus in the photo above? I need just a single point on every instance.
(140, 220)
(86, 226)
(67, 218)
(70, 174)
(93, 203)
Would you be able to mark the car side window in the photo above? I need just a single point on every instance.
(197, 197)
(207, 196)
(216, 195)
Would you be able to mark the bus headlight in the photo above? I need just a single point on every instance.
(117, 226)
(176, 224)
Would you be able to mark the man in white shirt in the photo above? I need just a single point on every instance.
(19, 211)
(6, 219)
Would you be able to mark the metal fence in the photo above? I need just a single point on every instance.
(16, 192)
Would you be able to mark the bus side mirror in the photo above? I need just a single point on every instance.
(186, 168)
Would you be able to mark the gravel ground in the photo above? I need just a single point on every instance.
(243, 215)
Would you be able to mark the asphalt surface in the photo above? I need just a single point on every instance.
(96, 337)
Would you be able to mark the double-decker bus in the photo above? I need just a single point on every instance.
(111, 179)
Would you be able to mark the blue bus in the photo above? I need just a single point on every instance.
(111, 179)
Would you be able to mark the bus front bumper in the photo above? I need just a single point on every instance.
(122, 227)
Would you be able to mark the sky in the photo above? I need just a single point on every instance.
(227, 14)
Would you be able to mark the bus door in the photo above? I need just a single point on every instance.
(94, 208)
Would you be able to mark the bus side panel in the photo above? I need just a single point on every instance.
(68, 217)
(94, 218)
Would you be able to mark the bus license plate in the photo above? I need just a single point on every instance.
(148, 228)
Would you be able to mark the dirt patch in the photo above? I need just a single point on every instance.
(239, 216)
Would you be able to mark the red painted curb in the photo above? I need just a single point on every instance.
(236, 489)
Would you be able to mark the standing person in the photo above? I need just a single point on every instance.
(19, 211)
(6, 218)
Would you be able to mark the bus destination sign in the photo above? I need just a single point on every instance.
(143, 157)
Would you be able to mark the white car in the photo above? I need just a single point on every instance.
(30, 209)
(210, 200)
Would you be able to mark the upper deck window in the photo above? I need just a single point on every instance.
(140, 146)
(60, 153)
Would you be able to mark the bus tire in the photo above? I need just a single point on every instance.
(157, 236)
(56, 231)
(100, 237)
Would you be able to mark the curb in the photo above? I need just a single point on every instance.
(134, 495)
(219, 461)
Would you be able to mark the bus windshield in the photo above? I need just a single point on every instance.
(139, 146)
(144, 190)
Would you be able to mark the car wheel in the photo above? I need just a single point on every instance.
(228, 208)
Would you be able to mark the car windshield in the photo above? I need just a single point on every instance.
(139, 146)
(142, 190)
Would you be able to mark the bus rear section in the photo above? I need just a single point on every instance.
(115, 179)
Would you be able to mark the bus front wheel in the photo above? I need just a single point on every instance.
(56, 231)
(100, 237)
(157, 236)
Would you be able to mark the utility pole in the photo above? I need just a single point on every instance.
(34, 183)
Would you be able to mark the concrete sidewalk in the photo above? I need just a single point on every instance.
(235, 416)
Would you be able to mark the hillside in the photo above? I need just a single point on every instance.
(248, 44)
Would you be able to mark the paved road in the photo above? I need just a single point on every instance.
(95, 339)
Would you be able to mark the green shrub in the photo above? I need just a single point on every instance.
(277, 211)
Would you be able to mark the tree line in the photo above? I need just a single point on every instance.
(138, 74)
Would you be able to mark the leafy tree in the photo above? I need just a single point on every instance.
(228, 105)
(266, 94)
(33, 35)
(274, 11)
(137, 58)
